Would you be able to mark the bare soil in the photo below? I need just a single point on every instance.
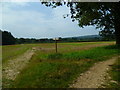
(95, 76)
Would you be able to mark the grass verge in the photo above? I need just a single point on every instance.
(114, 73)
(59, 70)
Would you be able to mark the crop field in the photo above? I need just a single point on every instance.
(48, 69)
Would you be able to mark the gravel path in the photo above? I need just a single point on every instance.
(95, 76)
(13, 67)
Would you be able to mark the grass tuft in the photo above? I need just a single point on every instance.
(55, 56)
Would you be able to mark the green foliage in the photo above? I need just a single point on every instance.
(33, 40)
(7, 38)
(107, 35)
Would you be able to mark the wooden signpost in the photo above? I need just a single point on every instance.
(56, 39)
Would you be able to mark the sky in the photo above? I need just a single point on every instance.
(27, 19)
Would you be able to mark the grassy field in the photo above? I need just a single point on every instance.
(48, 69)
(12, 51)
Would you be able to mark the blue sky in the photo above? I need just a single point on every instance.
(34, 20)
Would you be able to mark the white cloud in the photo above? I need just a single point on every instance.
(31, 23)
(1, 15)
(19, 1)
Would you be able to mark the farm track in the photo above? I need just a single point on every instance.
(13, 67)
(96, 76)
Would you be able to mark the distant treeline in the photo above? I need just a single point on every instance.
(9, 39)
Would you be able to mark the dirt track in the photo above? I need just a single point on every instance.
(13, 67)
(95, 76)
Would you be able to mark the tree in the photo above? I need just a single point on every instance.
(107, 34)
(104, 15)
(7, 38)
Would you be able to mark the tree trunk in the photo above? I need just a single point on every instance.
(117, 33)
(117, 22)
